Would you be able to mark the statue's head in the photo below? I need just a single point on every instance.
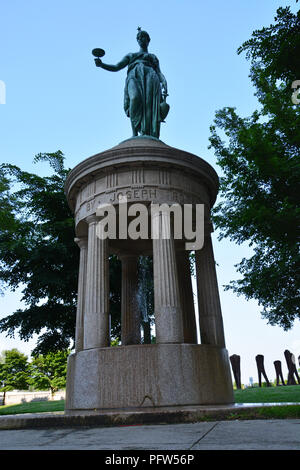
(142, 36)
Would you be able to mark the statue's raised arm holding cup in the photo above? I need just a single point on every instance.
(145, 88)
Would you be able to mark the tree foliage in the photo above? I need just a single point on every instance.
(13, 371)
(37, 252)
(43, 372)
(146, 296)
(49, 371)
(260, 185)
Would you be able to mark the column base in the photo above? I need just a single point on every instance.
(150, 375)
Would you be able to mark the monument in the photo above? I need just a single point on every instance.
(261, 369)
(144, 175)
(235, 360)
(291, 364)
(278, 370)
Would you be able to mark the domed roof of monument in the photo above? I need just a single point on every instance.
(141, 141)
(145, 151)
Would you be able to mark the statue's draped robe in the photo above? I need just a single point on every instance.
(143, 81)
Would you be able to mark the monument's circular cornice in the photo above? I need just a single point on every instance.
(141, 151)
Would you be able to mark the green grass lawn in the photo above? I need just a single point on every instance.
(290, 393)
(33, 407)
(287, 394)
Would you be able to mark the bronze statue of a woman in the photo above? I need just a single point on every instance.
(145, 88)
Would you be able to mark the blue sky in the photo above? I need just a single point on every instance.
(57, 99)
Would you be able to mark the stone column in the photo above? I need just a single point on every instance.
(186, 297)
(82, 243)
(168, 314)
(96, 319)
(210, 314)
(130, 315)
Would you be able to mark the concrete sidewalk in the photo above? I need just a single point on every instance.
(217, 435)
(166, 428)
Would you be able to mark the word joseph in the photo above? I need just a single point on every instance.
(134, 193)
(185, 218)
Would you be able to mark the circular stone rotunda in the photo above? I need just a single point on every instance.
(178, 370)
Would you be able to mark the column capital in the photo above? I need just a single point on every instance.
(81, 242)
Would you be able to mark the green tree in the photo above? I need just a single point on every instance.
(37, 252)
(49, 371)
(260, 185)
(146, 296)
(14, 371)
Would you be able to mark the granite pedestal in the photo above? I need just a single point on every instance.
(176, 371)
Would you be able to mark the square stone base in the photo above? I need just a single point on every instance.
(153, 375)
